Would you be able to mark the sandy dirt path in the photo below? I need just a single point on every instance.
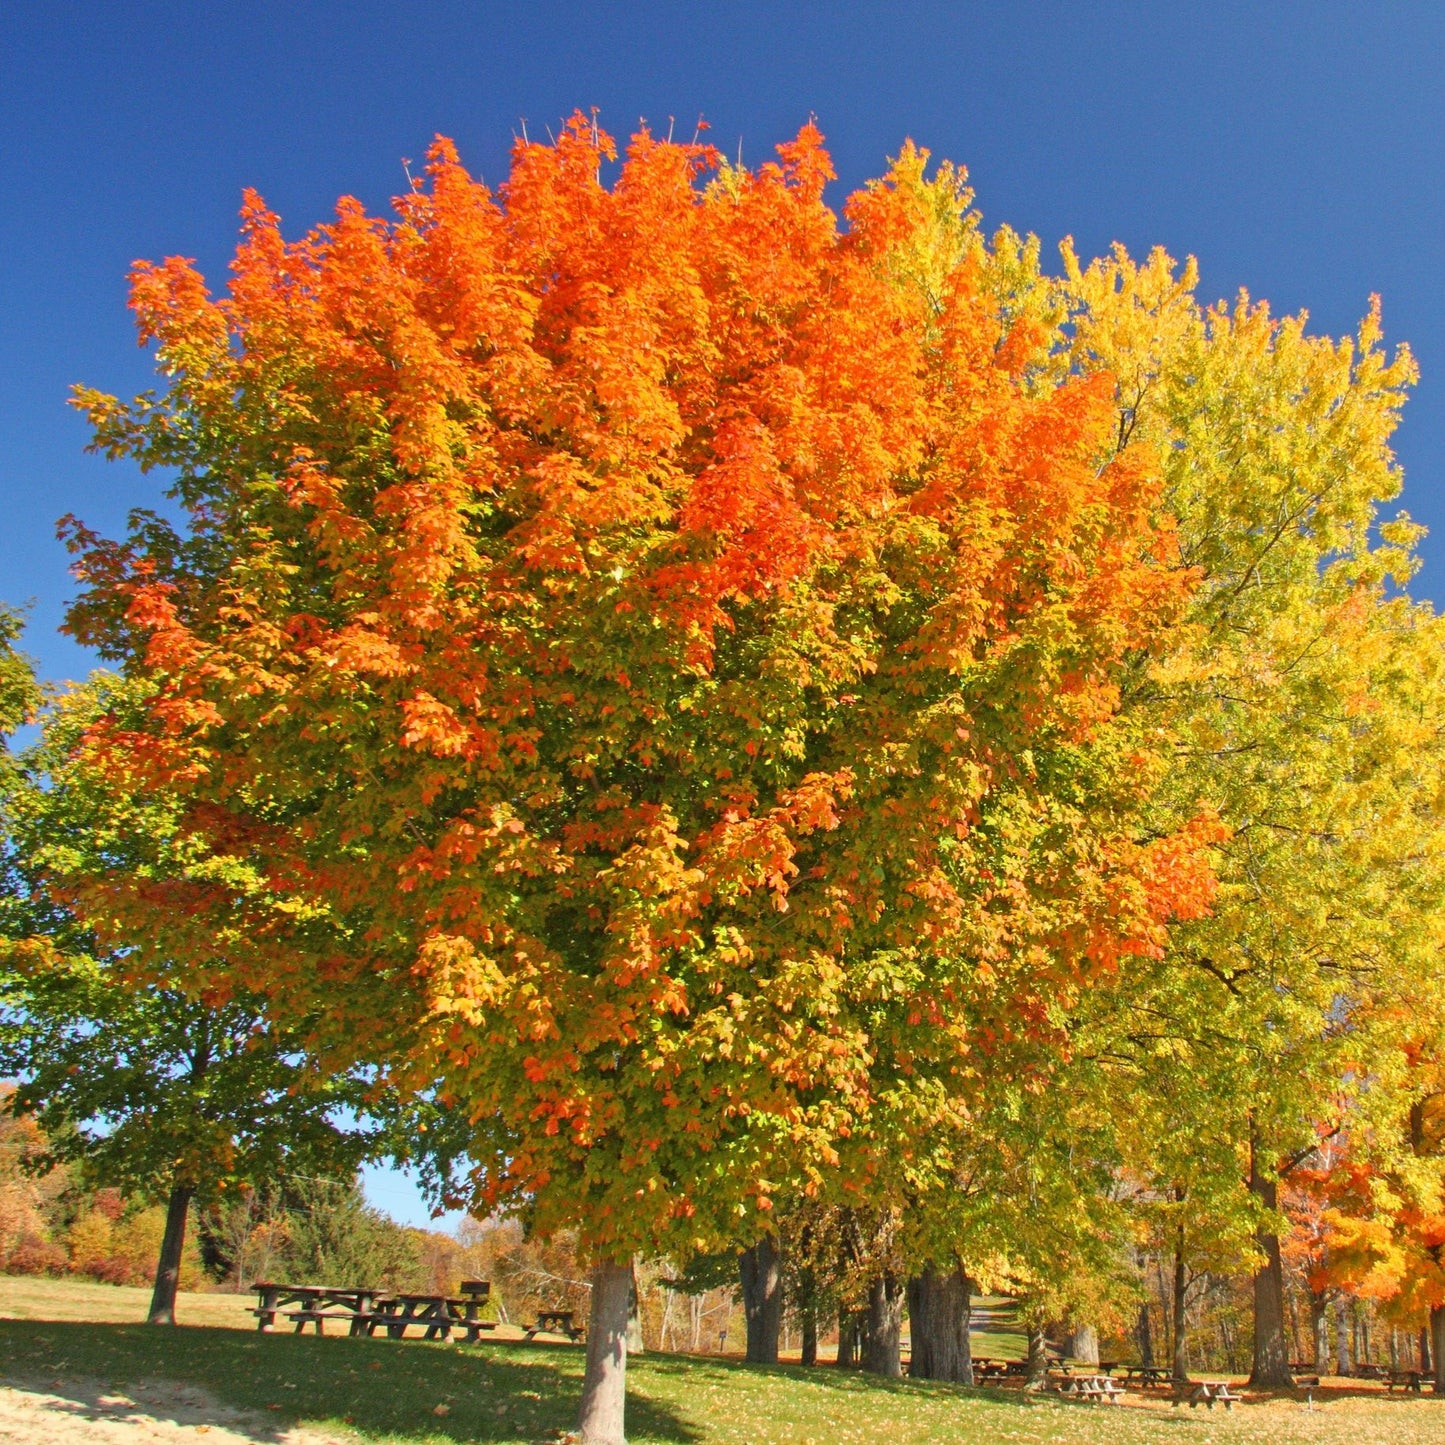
(159, 1412)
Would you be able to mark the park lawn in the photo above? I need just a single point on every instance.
(25, 1297)
(504, 1391)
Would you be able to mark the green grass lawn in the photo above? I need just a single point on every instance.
(385, 1390)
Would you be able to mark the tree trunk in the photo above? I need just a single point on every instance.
(604, 1387)
(883, 1344)
(635, 1345)
(1084, 1344)
(938, 1318)
(1426, 1353)
(1038, 1359)
(1437, 1342)
(168, 1267)
(1342, 1337)
(1319, 1330)
(847, 1339)
(1180, 1372)
(762, 1278)
(809, 1314)
(1144, 1333)
(807, 1303)
(1271, 1358)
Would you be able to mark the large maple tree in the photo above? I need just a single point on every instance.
(644, 658)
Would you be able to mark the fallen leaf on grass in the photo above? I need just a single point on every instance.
(441, 1409)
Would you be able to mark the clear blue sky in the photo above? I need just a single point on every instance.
(1295, 148)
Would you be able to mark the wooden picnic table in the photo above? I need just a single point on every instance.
(1403, 1380)
(1206, 1392)
(1145, 1375)
(556, 1322)
(318, 1303)
(1091, 1387)
(985, 1370)
(437, 1315)
(364, 1311)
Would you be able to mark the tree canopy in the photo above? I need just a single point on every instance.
(750, 709)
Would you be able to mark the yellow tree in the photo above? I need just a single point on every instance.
(1301, 701)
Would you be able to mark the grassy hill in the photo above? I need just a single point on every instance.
(506, 1391)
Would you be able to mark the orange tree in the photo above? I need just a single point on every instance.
(1340, 1243)
(635, 653)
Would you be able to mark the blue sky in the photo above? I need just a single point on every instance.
(1298, 149)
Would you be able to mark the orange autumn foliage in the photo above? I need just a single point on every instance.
(645, 655)
(1340, 1237)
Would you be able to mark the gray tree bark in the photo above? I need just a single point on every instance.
(938, 1320)
(809, 1319)
(1319, 1330)
(1144, 1333)
(882, 1347)
(1180, 1371)
(168, 1266)
(762, 1278)
(604, 1386)
(1038, 1359)
(1084, 1344)
(1342, 1336)
(1271, 1357)
(1437, 1341)
(635, 1345)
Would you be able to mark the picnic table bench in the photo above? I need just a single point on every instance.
(1145, 1375)
(364, 1311)
(986, 1370)
(1093, 1388)
(318, 1303)
(556, 1322)
(1402, 1380)
(1206, 1392)
(436, 1315)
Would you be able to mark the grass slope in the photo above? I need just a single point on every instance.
(510, 1392)
(25, 1298)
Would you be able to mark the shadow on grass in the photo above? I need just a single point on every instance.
(828, 1377)
(494, 1392)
